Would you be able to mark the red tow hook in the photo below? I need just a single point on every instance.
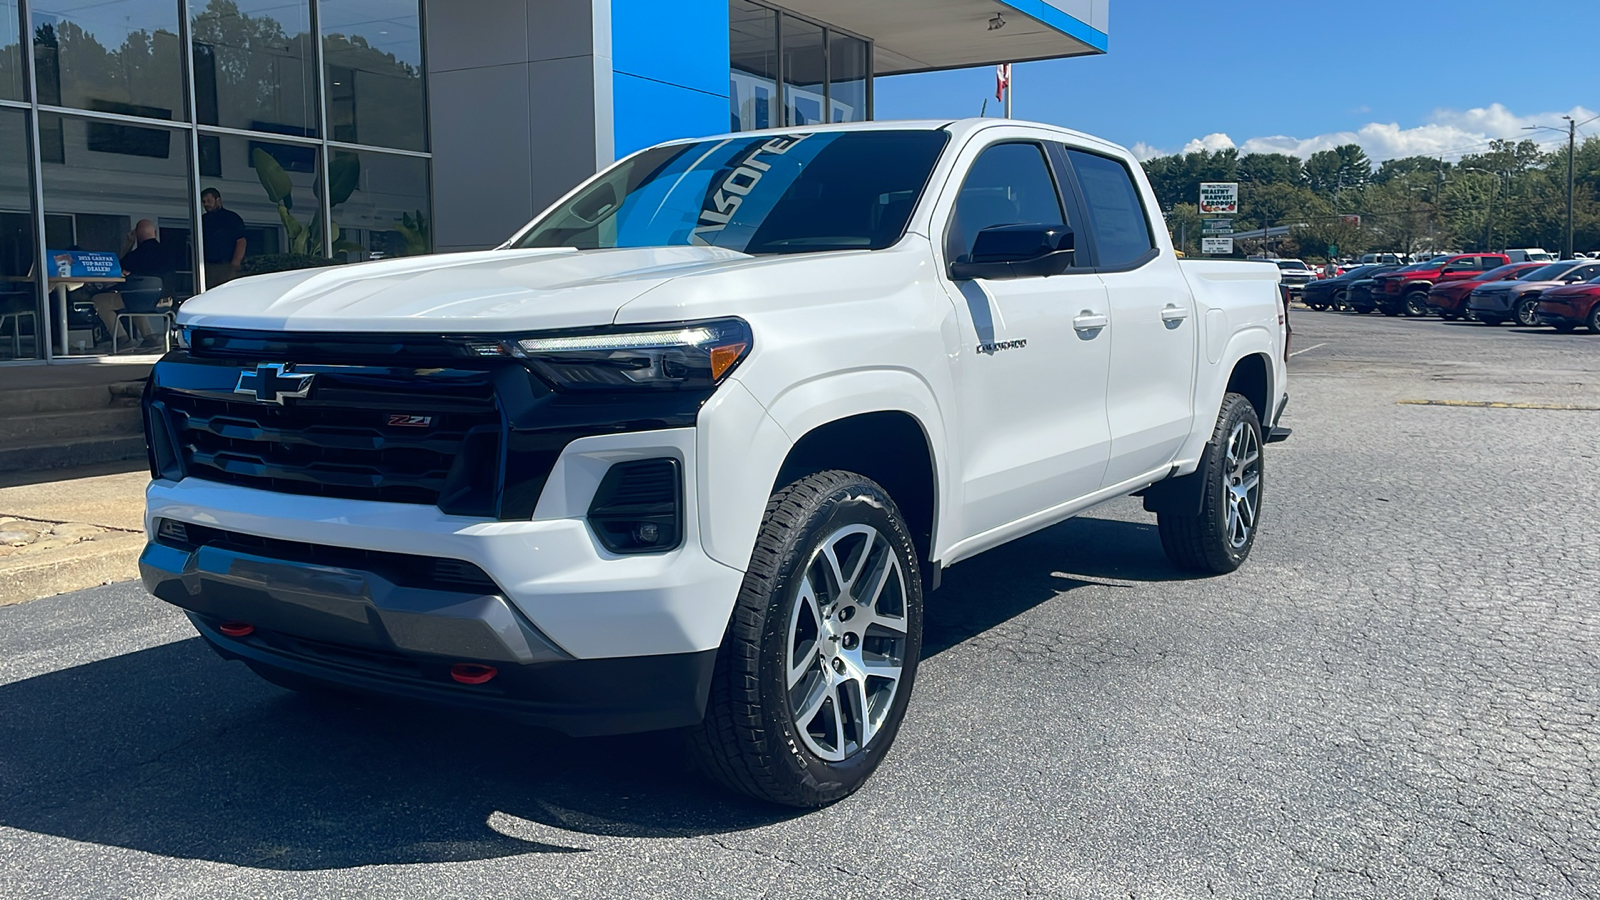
(472, 673)
(236, 629)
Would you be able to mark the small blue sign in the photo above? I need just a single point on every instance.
(83, 264)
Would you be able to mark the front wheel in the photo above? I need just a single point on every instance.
(1218, 540)
(815, 671)
(1416, 304)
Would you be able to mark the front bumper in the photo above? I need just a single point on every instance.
(376, 630)
(1490, 303)
(1565, 311)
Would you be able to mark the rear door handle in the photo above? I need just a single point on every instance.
(1174, 314)
(1090, 321)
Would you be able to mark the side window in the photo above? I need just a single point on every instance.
(1009, 184)
(1585, 273)
(1491, 262)
(1121, 230)
(1461, 265)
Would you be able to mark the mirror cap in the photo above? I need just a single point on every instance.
(1016, 243)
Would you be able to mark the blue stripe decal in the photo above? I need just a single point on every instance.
(1063, 22)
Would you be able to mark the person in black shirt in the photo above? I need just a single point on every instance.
(147, 258)
(224, 238)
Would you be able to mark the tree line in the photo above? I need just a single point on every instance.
(1512, 194)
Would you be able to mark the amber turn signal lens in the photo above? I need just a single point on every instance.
(723, 358)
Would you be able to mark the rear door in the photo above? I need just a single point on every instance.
(1150, 390)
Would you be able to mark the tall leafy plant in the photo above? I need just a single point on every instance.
(305, 238)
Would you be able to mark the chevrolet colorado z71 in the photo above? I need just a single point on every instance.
(687, 451)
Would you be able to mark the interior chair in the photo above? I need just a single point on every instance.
(140, 296)
(15, 306)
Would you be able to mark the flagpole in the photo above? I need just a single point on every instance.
(1010, 74)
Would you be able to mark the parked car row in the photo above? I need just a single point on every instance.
(1483, 287)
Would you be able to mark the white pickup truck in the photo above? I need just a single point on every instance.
(688, 450)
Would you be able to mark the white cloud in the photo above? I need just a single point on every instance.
(1142, 151)
(1213, 142)
(1448, 133)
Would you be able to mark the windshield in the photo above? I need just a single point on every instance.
(1417, 267)
(1548, 273)
(797, 193)
(1291, 264)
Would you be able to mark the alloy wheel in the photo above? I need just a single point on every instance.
(1241, 478)
(846, 640)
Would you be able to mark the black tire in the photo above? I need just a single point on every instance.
(1526, 313)
(1593, 321)
(1415, 304)
(1341, 301)
(1207, 542)
(750, 740)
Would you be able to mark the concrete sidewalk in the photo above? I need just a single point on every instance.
(85, 529)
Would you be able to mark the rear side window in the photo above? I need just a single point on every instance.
(1462, 265)
(1121, 231)
(1009, 184)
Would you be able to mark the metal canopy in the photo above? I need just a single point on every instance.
(923, 35)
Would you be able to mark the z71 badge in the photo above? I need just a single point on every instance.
(412, 421)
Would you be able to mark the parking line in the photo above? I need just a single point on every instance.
(1309, 349)
(1496, 404)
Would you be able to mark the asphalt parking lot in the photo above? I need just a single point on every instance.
(1398, 696)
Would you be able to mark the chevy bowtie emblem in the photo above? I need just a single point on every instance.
(272, 383)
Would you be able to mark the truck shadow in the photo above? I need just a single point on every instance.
(174, 752)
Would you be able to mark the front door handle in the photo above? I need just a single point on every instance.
(1174, 314)
(1089, 320)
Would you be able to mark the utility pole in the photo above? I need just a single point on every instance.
(1572, 143)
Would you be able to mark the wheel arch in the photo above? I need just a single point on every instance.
(891, 447)
(1251, 376)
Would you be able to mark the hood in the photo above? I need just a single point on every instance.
(487, 291)
(1499, 287)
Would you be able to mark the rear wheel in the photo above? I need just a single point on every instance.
(1593, 321)
(1218, 540)
(815, 671)
(1416, 304)
(1527, 312)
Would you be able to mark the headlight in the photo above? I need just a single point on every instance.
(688, 356)
(180, 337)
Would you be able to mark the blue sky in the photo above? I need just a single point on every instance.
(1436, 77)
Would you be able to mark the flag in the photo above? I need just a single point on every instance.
(1002, 80)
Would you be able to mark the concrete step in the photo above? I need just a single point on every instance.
(31, 401)
(63, 427)
(63, 454)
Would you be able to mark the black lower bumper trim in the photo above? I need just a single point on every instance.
(357, 630)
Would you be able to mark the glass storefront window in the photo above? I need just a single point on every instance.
(753, 79)
(273, 187)
(805, 71)
(120, 57)
(21, 329)
(373, 53)
(387, 212)
(254, 67)
(10, 53)
(848, 71)
(115, 188)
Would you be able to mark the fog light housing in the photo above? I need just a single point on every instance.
(638, 507)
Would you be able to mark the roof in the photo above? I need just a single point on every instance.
(925, 35)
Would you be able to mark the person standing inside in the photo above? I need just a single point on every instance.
(223, 231)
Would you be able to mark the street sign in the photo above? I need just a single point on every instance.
(1219, 198)
(1333, 250)
(1217, 226)
(1216, 245)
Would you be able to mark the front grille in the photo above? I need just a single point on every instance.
(392, 440)
(404, 569)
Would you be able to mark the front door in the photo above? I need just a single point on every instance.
(1032, 365)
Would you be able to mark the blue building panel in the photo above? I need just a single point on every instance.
(648, 112)
(1056, 18)
(684, 42)
(669, 70)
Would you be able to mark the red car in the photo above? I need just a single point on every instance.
(1449, 298)
(1406, 291)
(1572, 305)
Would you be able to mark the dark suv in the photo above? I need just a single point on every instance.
(1330, 293)
(1406, 291)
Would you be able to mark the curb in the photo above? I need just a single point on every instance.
(107, 558)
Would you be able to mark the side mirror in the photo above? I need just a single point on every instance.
(1017, 251)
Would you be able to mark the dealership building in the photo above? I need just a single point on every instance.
(347, 130)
